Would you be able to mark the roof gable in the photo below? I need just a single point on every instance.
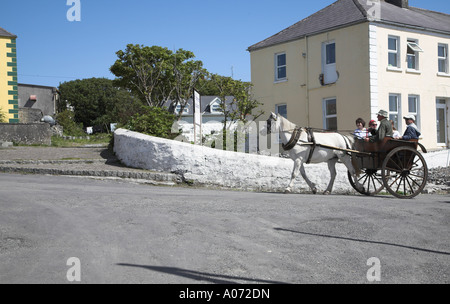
(411, 17)
(5, 33)
(343, 13)
(339, 14)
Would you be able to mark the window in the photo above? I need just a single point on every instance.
(281, 109)
(330, 114)
(443, 58)
(214, 106)
(329, 63)
(394, 110)
(331, 53)
(185, 110)
(394, 51)
(414, 107)
(280, 67)
(413, 54)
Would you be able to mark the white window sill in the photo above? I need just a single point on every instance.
(443, 74)
(394, 69)
(280, 80)
(411, 71)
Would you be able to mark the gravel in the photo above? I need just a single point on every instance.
(438, 180)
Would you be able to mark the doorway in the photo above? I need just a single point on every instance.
(441, 122)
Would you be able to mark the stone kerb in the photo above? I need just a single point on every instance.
(207, 166)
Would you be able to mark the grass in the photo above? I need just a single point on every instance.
(97, 139)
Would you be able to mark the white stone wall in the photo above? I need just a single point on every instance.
(214, 167)
(206, 166)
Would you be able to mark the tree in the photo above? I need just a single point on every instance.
(243, 104)
(187, 74)
(156, 74)
(240, 109)
(145, 71)
(2, 116)
(153, 121)
(94, 100)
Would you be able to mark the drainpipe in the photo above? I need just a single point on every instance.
(307, 83)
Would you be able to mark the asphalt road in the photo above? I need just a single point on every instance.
(128, 233)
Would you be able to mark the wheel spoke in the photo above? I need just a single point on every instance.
(409, 184)
(396, 179)
(394, 170)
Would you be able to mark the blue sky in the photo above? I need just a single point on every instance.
(52, 50)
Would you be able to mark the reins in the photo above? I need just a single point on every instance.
(295, 138)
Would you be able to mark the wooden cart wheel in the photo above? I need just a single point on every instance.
(371, 180)
(404, 172)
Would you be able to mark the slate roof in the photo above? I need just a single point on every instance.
(343, 13)
(5, 33)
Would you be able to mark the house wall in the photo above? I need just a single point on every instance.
(426, 84)
(364, 83)
(302, 92)
(8, 79)
(46, 101)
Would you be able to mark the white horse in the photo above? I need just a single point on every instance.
(300, 153)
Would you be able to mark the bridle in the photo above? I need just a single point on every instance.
(295, 138)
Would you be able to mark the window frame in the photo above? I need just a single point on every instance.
(417, 105)
(327, 116)
(412, 45)
(185, 110)
(445, 59)
(277, 109)
(277, 67)
(218, 103)
(396, 52)
(398, 112)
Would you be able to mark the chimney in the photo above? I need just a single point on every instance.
(399, 3)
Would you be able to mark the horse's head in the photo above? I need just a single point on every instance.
(273, 118)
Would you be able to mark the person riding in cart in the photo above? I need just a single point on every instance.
(411, 132)
(385, 128)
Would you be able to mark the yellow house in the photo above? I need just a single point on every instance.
(9, 101)
(353, 58)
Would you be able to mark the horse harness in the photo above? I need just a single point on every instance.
(295, 137)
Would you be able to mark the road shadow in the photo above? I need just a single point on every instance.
(201, 276)
(363, 241)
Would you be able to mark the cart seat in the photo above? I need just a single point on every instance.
(386, 145)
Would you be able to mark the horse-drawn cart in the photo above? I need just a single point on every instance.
(392, 164)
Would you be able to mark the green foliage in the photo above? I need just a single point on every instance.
(153, 121)
(243, 104)
(70, 128)
(94, 100)
(2, 116)
(156, 74)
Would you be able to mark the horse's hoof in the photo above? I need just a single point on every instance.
(287, 191)
(314, 191)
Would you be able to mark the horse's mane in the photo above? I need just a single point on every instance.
(287, 125)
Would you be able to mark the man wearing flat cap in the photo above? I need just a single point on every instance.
(411, 132)
(385, 128)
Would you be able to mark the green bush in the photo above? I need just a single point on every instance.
(70, 128)
(153, 121)
(2, 116)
